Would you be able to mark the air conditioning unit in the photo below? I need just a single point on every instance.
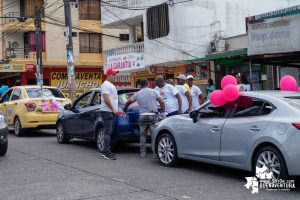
(213, 47)
(220, 45)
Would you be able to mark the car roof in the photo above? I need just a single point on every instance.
(33, 86)
(272, 93)
(119, 89)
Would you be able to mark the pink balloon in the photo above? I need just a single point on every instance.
(227, 80)
(216, 98)
(231, 92)
(288, 83)
(245, 102)
(298, 90)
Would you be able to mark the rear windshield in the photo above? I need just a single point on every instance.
(123, 98)
(293, 101)
(47, 93)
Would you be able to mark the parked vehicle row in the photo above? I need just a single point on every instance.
(261, 128)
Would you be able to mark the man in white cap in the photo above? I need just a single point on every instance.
(197, 96)
(185, 95)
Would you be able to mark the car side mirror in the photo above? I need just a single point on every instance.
(67, 107)
(194, 115)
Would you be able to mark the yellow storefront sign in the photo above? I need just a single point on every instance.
(84, 81)
(12, 68)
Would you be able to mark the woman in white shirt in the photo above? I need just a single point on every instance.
(242, 82)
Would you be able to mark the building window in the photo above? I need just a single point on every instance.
(90, 43)
(89, 10)
(158, 21)
(29, 41)
(124, 37)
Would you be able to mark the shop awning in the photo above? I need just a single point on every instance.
(241, 52)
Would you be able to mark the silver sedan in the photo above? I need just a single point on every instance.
(260, 129)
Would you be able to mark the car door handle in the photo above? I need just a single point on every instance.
(215, 129)
(4, 104)
(98, 111)
(15, 103)
(254, 128)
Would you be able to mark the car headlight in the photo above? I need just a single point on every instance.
(2, 121)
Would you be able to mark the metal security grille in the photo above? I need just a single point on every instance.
(158, 21)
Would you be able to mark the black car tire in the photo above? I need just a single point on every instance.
(18, 130)
(163, 154)
(61, 135)
(3, 148)
(100, 140)
(283, 168)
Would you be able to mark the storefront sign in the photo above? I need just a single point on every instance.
(123, 81)
(30, 68)
(158, 70)
(8, 74)
(200, 72)
(126, 62)
(274, 35)
(12, 68)
(84, 81)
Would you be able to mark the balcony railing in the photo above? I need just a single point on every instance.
(119, 6)
(17, 53)
(137, 47)
(14, 17)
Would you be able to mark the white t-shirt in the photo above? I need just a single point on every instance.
(181, 91)
(246, 87)
(195, 96)
(108, 88)
(168, 93)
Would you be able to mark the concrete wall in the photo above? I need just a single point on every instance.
(190, 22)
(110, 42)
(289, 71)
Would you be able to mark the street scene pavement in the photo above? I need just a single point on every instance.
(37, 167)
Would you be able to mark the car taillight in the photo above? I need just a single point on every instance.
(121, 113)
(30, 106)
(297, 125)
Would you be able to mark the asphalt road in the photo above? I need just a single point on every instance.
(37, 167)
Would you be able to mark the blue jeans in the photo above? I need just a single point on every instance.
(108, 121)
(172, 114)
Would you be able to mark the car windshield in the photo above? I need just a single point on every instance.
(123, 98)
(293, 101)
(47, 93)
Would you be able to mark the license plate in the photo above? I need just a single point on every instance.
(149, 133)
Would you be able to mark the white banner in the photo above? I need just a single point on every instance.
(274, 35)
(126, 62)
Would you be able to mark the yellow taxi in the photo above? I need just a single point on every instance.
(32, 107)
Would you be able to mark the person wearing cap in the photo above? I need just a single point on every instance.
(197, 96)
(109, 108)
(186, 97)
(147, 99)
(170, 96)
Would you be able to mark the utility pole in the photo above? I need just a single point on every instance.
(70, 57)
(38, 46)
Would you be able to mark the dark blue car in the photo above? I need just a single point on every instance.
(82, 119)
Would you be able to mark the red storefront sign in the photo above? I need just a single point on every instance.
(30, 68)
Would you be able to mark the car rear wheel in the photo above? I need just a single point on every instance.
(100, 140)
(3, 148)
(18, 130)
(62, 137)
(166, 150)
(272, 159)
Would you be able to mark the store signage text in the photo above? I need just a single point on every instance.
(84, 81)
(274, 35)
(12, 68)
(126, 62)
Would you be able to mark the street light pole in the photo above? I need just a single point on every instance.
(70, 57)
(38, 47)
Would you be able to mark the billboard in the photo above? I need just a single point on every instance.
(126, 62)
(274, 35)
(200, 72)
(84, 81)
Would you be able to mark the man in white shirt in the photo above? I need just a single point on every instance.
(109, 108)
(185, 95)
(197, 96)
(170, 96)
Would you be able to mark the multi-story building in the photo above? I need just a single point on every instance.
(175, 31)
(19, 49)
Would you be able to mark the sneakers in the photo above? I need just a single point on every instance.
(109, 156)
(154, 156)
(114, 155)
(143, 155)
